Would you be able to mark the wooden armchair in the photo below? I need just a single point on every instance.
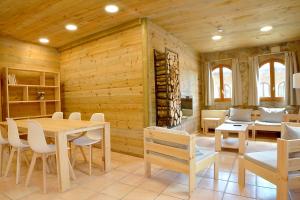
(291, 118)
(281, 167)
(176, 150)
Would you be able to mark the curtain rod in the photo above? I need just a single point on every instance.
(222, 59)
(267, 54)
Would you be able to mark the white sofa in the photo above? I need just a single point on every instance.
(255, 124)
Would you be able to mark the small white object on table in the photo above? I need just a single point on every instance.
(240, 129)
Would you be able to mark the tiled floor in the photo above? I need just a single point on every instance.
(126, 181)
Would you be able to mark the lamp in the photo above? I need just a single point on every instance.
(296, 80)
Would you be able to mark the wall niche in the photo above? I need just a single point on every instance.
(167, 88)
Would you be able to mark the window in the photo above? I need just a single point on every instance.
(222, 78)
(272, 80)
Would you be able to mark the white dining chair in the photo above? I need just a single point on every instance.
(88, 139)
(75, 116)
(58, 115)
(18, 145)
(40, 148)
(3, 143)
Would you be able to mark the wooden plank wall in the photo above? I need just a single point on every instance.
(188, 72)
(15, 53)
(106, 75)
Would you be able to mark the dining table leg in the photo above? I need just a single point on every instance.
(62, 162)
(106, 153)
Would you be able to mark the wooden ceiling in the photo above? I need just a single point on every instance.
(192, 21)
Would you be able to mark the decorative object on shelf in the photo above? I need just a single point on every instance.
(167, 88)
(12, 79)
(41, 95)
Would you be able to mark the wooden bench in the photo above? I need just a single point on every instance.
(176, 150)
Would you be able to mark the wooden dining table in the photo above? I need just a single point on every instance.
(59, 129)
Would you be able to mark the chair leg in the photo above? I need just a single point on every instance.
(44, 156)
(1, 158)
(253, 134)
(282, 190)
(241, 176)
(18, 166)
(11, 156)
(90, 159)
(31, 168)
(216, 167)
(192, 177)
(25, 159)
(147, 168)
(72, 171)
(74, 156)
(82, 152)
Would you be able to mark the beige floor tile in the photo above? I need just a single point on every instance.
(165, 197)
(2, 197)
(41, 196)
(115, 174)
(177, 190)
(206, 194)
(264, 183)
(154, 185)
(184, 179)
(248, 191)
(97, 184)
(118, 190)
(19, 191)
(102, 197)
(266, 193)
(222, 175)
(77, 193)
(133, 179)
(250, 179)
(234, 197)
(138, 194)
(211, 184)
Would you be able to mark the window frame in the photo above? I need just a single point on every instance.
(222, 99)
(272, 79)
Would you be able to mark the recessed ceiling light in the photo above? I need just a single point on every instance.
(111, 8)
(266, 28)
(71, 27)
(216, 37)
(44, 40)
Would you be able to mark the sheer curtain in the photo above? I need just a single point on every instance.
(209, 85)
(237, 90)
(292, 96)
(253, 97)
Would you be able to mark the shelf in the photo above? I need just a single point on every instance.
(33, 101)
(33, 86)
(28, 117)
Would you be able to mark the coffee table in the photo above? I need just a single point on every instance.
(240, 129)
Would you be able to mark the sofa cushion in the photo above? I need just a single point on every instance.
(291, 133)
(228, 121)
(258, 122)
(240, 114)
(267, 159)
(271, 114)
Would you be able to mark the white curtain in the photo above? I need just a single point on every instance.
(292, 95)
(237, 96)
(253, 96)
(209, 85)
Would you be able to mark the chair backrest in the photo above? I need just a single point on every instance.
(291, 118)
(288, 154)
(13, 133)
(95, 134)
(75, 116)
(36, 137)
(171, 148)
(58, 115)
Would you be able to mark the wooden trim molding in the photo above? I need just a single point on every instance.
(101, 34)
